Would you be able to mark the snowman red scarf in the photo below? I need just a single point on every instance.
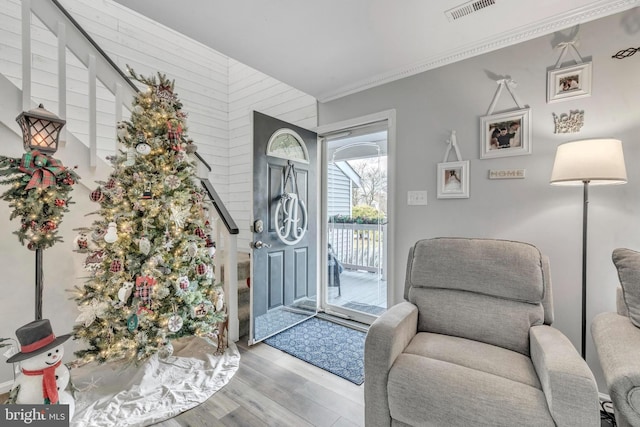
(49, 387)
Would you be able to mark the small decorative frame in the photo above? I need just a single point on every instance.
(569, 82)
(453, 180)
(506, 134)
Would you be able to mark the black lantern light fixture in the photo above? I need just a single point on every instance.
(40, 129)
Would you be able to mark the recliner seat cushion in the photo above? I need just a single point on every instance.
(424, 391)
(475, 355)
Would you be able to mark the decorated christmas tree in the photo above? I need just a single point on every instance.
(149, 254)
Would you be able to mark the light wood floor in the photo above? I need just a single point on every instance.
(272, 388)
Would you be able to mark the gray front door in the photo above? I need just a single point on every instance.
(285, 228)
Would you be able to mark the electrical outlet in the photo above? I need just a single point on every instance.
(416, 198)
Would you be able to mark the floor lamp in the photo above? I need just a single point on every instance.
(588, 162)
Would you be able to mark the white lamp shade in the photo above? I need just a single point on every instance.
(598, 161)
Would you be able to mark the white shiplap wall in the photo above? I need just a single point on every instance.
(251, 90)
(200, 73)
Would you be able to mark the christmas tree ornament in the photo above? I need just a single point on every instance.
(90, 312)
(132, 322)
(179, 215)
(200, 233)
(60, 202)
(146, 193)
(175, 323)
(125, 292)
(200, 310)
(111, 184)
(122, 132)
(144, 245)
(172, 182)
(209, 243)
(144, 289)
(192, 249)
(131, 157)
(112, 233)
(97, 195)
(81, 242)
(201, 269)
(116, 266)
(180, 157)
(182, 283)
(117, 194)
(143, 148)
(138, 109)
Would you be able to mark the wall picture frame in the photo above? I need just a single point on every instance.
(506, 134)
(453, 180)
(569, 83)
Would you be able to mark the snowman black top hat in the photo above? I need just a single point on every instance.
(35, 338)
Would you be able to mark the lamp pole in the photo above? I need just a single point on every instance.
(39, 284)
(585, 211)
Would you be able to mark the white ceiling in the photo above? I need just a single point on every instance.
(330, 48)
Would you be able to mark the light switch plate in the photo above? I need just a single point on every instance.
(417, 198)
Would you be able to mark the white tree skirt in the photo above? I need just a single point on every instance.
(119, 395)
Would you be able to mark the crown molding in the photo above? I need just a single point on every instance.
(593, 11)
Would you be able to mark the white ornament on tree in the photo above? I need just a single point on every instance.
(131, 157)
(91, 311)
(175, 323)
(144, 245)
(125, 292)
(112, 233)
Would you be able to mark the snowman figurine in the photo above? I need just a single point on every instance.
(43, 377)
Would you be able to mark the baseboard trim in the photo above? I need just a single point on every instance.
(6, 386)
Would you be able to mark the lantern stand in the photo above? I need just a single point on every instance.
(40, 131)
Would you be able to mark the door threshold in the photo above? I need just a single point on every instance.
(362, 327)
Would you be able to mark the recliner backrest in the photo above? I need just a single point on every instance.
(482, 289)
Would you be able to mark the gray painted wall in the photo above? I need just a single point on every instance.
(431, 104)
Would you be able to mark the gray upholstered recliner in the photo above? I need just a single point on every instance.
(472, 345)
(617, 341)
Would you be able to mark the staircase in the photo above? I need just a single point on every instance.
(244, 293)
(107, 85)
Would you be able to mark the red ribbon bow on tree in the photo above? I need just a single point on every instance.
(42, 168)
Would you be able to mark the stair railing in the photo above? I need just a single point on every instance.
(70, 35)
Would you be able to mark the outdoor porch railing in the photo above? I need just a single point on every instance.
(360, 246)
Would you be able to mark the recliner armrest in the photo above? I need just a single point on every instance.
(388, 336)
(617, 342)
(567, 382)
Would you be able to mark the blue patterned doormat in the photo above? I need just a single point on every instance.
(327, 345)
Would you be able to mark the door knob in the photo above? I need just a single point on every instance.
(259, 244)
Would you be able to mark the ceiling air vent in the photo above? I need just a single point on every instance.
(468, 8)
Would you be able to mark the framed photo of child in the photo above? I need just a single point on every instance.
(506, 134)
(569, 82)
(453, 180)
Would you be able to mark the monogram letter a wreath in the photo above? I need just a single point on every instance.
(39, 195)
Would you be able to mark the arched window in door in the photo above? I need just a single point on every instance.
(287, 144)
